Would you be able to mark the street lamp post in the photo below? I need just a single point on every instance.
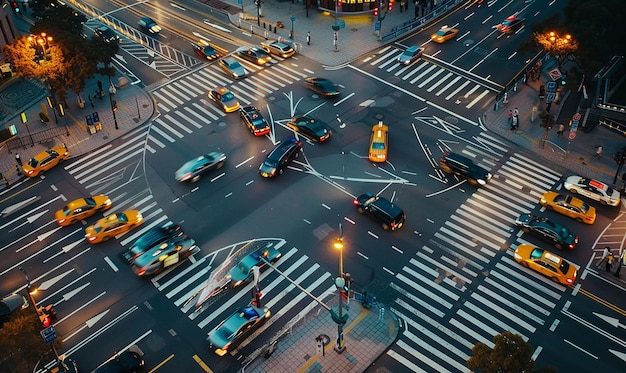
(113, 106)
(340, 283)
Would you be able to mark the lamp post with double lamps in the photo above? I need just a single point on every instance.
(340, 282)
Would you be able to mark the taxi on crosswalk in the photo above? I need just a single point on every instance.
(113, 225)
(546, 263)
(82, 208)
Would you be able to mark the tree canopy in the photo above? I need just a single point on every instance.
(510, 354)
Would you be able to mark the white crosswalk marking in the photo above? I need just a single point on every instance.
(432, 286)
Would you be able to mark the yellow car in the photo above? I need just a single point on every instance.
(546, 263)
(224, 99)
(444, 34)
(82, 208)
(569, 206)
(45, 160)
(113, 225)
(379, 143)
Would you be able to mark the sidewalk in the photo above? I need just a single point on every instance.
(367, 335)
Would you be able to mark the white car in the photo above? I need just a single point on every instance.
(593, 189)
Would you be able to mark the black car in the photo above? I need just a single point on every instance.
(280, 157)
(457, 164)
(252, 118)
(547, 230)
(323, 86)
(151, 238)
(205, 50)
(107, 35)
(310, 127)
(163, 255)
(199, 165)
(10, 304)
(389, 215)
(125, 362)
(255, 55)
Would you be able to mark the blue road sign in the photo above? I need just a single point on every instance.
(550, 97)
(48, 334)
(341, 23)
(293, 18)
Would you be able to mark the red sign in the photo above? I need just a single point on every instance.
(572, 135)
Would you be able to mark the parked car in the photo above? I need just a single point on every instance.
(149, 24)
(151, 238)
(569, 206)
(232, 67)
(547, 230)
(546, 263)
(124, 362)
(410, 54)
(243, 270)
(314, 129)
(238, 325)
(593, 189)
(82, 208)
(390, 216)
(163, 255)
(193, 169)
(457, 164)
(279, 158)
(254, 121)
(45, 160)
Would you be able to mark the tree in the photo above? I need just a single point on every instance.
(510, 354)
(21, 345)
(561, 45)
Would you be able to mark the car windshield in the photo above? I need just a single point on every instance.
(564, 267)
(564, 233)
(33, 162)
(97, 228)
(227, 96)
(442, 32)
(536, 253)
(378, 145)
(121, 217)
(584, 208)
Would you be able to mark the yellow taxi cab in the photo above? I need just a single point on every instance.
(569, 206)
(225, 99)
(378, 143)
(444, 34)
(82, 208)
(546, 263)
(113, 225)
(45, 160)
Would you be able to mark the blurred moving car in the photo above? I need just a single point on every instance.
(322, 86)
(151, 238)
(124, 362)
(192, 170)
(232, 330)
(410, 54)
(444, 34)
(113, 225)
(242, 272)
(10, 304)
(547, 230)
(205, 50)
(149, 24)
(379, 143)
(510, 25)
(457, 164)
(278, 48)
(232, 67)
(310, 127)
(389, 215)
(252, 118)
(279, 158)
(163, 255)
(593, 189)
(224, 99)
(45, 160)
(546, 263)
(255, 55)
(82, 208)
(569, 206)
(107, 35)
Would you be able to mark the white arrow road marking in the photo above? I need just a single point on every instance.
(621, 355)
(611, 320)
(66, 249)
(46, 284)
(42, 237)
(68, 296)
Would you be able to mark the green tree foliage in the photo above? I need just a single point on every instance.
(21, 345)
(510, 354)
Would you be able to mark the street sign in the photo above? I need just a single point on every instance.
(575, 120)
(95, 116)
(341, 23)
(555, 74)
(550, 97)
(293, 18)
(551, 87)
(48, 334)
(572, 136)
(89, 120)
(576, 117)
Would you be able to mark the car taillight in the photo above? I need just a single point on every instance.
(571, 246)
(61, 221)
(589, 218)
(30, 172)
(570, 281)
(355, 202)
(141, 272)
(91, 238)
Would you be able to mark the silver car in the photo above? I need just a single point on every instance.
(278, 48)
(232, 67)
(410, 55)
(593, 189)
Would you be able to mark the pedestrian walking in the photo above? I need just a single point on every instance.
(605, 254)
(559, 133)
(18, 159)
(18, 170)
(510, 117)
(599, 152)
(515, 112)
(620, 262)
(515, 124)
(308, 38)
(609, 262)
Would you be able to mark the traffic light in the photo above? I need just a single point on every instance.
(15, 6)
(338, 3)
(619, 158)
(390, 5)
(376, 11)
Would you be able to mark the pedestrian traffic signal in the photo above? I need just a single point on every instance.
(376, 11)
(564, 79)
(338, 3)
(390, 5)
(15, 6)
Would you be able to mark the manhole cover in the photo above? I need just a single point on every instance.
(451, 120)
(379, 116)
(222, 124)
(468, 42)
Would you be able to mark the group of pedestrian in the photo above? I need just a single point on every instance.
(608, 259)
(513, 117)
